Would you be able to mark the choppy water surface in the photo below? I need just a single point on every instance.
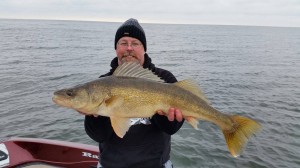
(251, 71)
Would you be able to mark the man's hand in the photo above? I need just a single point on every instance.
(172, 114)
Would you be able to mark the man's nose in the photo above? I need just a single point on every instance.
(129, 47)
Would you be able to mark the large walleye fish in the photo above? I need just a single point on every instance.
(135, 92)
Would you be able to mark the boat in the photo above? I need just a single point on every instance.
(17, 152)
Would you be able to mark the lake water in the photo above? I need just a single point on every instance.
(250, 71)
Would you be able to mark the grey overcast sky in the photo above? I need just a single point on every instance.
(284, 13)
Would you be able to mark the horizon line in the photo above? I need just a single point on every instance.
(144, 22)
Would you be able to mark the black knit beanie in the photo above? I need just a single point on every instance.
(131, 28)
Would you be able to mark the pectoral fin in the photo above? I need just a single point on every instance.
(114, 101)
(109, 105)
(120, 125)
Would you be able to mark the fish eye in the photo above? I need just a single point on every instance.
(70, 92)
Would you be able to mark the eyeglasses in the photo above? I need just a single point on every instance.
(133, 44)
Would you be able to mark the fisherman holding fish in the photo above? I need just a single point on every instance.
(133, 110)
(147, 142)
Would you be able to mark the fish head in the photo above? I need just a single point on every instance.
(84, 99)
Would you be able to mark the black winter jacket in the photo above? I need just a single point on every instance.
(143, 145)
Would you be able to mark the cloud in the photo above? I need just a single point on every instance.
(245, 12)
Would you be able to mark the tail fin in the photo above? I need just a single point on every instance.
(237, 138)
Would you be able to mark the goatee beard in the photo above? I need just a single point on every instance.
(129, 54)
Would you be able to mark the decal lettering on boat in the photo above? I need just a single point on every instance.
(89, 155)
(4, 157)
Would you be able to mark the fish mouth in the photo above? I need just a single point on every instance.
(59, 100)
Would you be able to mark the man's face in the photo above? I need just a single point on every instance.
(130, 49)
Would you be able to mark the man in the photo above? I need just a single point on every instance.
(147, 142)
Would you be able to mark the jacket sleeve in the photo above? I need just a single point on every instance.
(98, 128)
(169, 127)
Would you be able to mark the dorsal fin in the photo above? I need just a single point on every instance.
(192, 86)
(134, 69)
